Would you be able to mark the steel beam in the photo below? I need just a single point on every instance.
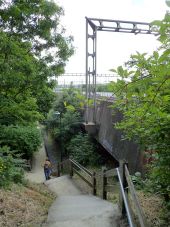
(91, 57)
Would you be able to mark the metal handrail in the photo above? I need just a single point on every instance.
(125, 182)
(129, 216)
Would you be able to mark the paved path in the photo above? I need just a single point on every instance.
(52, 149)
(74, 209)
(36, 175)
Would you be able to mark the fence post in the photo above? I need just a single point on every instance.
(125, 185)
(71, 169)
(104, 184)
(94, 183)
(58, 169)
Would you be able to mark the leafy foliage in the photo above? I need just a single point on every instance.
(64, 122)
(71, 99)
(66, 112)
(24, 140)
(142, 95)
(82, 149)
(33, 49)
(138, 181)
(10, 167)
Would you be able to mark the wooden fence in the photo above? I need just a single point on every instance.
(72, 167)
(127, 189)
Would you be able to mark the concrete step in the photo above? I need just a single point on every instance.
(82, 209)
(73, 209)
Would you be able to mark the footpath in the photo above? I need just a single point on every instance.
(36, 175)
(72, 208)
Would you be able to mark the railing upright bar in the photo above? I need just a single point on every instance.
(125, 200)
(58, 169)
(71, 169)
(104, 183)
(94, 183)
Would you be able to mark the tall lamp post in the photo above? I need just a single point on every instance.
(61, 139)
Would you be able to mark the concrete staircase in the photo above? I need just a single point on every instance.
(72, 208)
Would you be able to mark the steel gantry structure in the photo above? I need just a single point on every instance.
(93, 25)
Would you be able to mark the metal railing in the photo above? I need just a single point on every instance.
(126, 188)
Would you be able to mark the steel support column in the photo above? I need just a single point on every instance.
(91, 57)
(91, 69)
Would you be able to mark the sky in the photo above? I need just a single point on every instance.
(113, 49)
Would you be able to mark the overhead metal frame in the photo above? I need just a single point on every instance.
(106, 25)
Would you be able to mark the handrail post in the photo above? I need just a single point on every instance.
(58, 169)
(94, 183)
(71, 169)
(104, 184)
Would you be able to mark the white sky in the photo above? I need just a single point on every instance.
(113, 49)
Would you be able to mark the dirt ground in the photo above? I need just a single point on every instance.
(24, 206)
(27, 206)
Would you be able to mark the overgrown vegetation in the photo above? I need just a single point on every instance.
(82, 148)
(64, 122)
(33, 49)
(25, 140)
(10, 167)
(143, 95)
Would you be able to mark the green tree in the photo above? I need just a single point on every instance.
(22, 139)
(143, 95)
(64, 120)
(33, 48)
(70, 98)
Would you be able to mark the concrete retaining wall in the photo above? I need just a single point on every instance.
(111, 138)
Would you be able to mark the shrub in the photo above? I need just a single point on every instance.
(138, 181)
(82, 149)
(23, 139)
(10, 167)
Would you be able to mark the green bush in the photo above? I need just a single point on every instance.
(82, 149)
(138, 181)
(23, 139)
(10, 167)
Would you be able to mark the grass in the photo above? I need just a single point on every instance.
(151, 205)
(24, 206)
